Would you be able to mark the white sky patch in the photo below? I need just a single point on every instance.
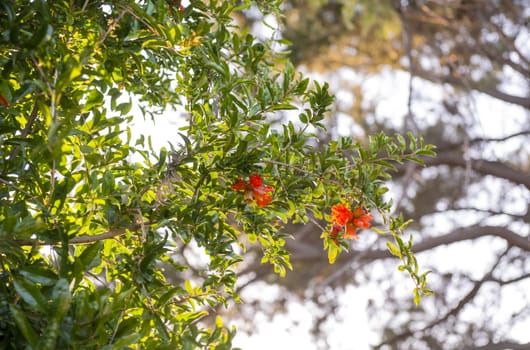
(278, 334)
(288, 330)
(497, 118)
(163, 129)
(346, 126)
(390, 90)
(352, 331)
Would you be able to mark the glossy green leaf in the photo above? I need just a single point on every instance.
(393, 249)
(31, 294)
(39, 274)
(25, 327)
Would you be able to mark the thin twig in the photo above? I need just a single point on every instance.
(52, 184)
(407, 43)
(113, 25)
(452, 146)
(41, 72)
(116, 327)
(84, 6)
(27, 129)
(17, 188)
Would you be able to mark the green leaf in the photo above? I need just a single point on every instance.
(62, 298)
(283, 107)
(333, 252)
(301, 86)
(127, 326)
(125, 341)
(170, 294)
(27, 227)
(417, 296)
(91, 257)
(43, 33)
(402, 142)
(39, 274)
(71, 69)
(24, 326)
(379, 231)
(94, 99)
(427, 292)
(394, 250)
(124, 107)
(30, 294)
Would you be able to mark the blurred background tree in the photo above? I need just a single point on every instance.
(457, 72)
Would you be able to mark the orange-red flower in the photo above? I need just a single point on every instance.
(350, 231)
(254, 190)
(239, 185)
(261, 196)
(349, 221)
(340, 214)
(255, 181)
(361, 218)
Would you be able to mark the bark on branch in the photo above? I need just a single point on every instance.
(461, 234)
(80, 239)
(501, 346)
(458, 235)
(523, 101)
(459, 145)
(484, 167)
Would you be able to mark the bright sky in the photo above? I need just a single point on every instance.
(291, 330)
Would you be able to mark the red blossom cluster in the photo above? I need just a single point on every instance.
(348, 221)
(254, 190)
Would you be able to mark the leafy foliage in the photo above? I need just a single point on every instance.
(88, 231)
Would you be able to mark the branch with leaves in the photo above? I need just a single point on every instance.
(113, 210)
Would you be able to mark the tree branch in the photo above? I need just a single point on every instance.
(429, 16)
(484, 167)
(508, 41)
(509, 281)
(501, 346)
(453, 312)
(12, 185)
(471, 233)
(469, 84)
(80, 239)
(457, 235)
(457, 145)
(524, 217)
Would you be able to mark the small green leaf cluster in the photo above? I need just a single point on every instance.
(93, 223)
(403, 250)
